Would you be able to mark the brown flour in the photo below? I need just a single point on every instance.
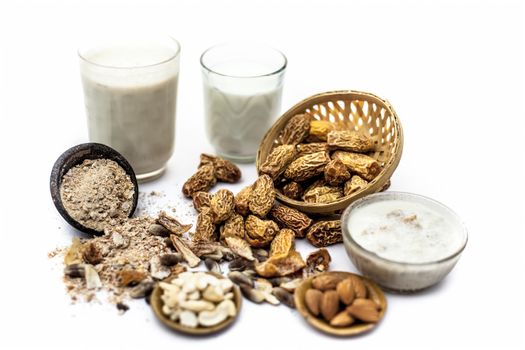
(97, 193)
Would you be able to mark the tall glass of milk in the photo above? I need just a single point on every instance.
(130, 93)
(242, 96)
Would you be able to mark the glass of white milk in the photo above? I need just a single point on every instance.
(130, 93)
(243, 85)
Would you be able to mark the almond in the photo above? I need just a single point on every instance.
(325, 282)
(364, 310)
(346, 291)
(359, 287)
(312, 298)
(329, 304)
(342, 319)
(373, 294)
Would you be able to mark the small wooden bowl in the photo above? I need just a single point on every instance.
(363, 112)
(321, 324)
(76, 155)
(156, 305)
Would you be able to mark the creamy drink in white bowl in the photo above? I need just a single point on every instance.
(242, 96)
(130, 92)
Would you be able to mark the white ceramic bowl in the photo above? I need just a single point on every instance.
(403, 277)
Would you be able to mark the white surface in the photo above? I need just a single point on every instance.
(453, 71)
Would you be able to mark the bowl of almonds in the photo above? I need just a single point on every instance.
(196, 303)
(340, 303)
(331, 149)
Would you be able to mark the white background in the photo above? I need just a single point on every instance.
(453, 70)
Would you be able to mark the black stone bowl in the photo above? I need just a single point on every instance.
(76, 155)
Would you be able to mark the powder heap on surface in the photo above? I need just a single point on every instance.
(97, 193)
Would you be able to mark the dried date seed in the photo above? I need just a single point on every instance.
(242, 201)
(260, 233)
(240, 264)
(74, 270)
(172, 224)
(205, 228)
(355, 184)
(201, 199)
(325, 233)
(222, 205)
(212, 265)
(284, 296)
(278, 160)
(233, 227)
(202, 180)
(348, 140)
(296, 130)
(317, 262)
(225, 170)
(291, 218)
(320, 192)
(158, 230)
(240, 279)
(293, 190)
(321, 128)
(307, 148)
(142, 289)
(171, 259)
(336, 173)
(366, 167)
(307, 166)
(262, 196)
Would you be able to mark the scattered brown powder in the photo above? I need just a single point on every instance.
(97, 193)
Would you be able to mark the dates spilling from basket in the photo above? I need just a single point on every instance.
(318, 161)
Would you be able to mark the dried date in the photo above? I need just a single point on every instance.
(278, 160)
(205, 228)
(307, 148)
(293, 190)
(260, 233)
(242, 201)
(354, 184)
(291, 218)
(365, 166)
(348, 140)
(335, 172)
(296, 130)
(325, 233)
(222, 205)
(320, 192)
(202, 180)
(201, 199)
(234, 226)
(307, 166)
(225, 170)
(262, 196)
(321, 128)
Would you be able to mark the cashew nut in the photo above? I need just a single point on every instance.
(197, 305)
(188, 319)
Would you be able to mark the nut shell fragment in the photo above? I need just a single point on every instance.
(240, 247)
(172, 224)
(183, 248)
(278, 160)
(317, 262)
(281, 266)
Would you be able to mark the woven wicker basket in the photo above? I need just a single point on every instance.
(360, 111)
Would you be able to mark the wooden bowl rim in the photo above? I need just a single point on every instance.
(156, 305)
(322, 325)
(373, 186)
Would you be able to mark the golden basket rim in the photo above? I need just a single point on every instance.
(374, 186)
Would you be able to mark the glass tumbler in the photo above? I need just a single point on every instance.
(243, 85)
(130, 93)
